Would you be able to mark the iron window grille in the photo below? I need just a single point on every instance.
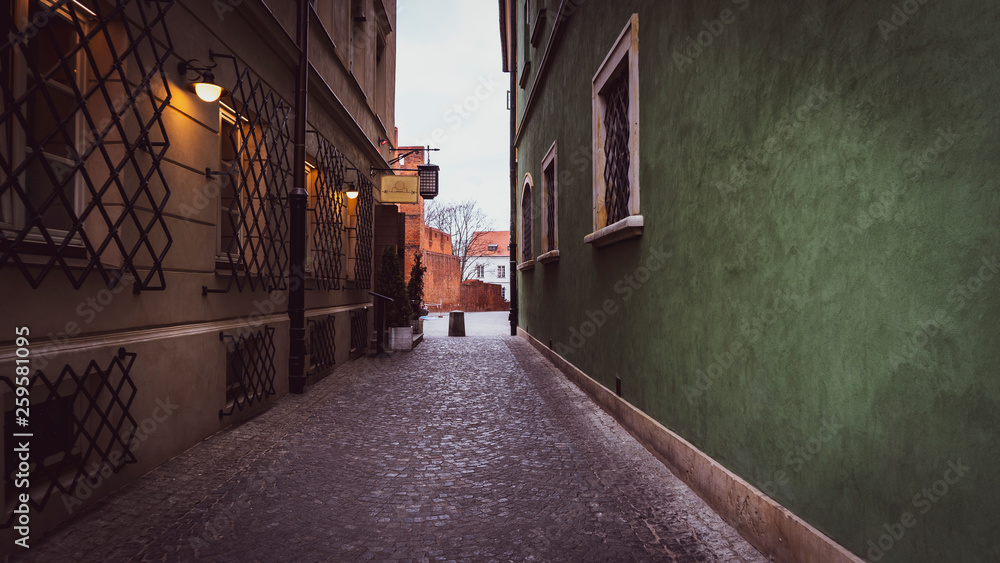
(82, 139)
(365, 217)
(328, 210)
(616, 150)
(255, 148)
(82, 424)
(526, 220)
(249, 369)
(322, 344)
(549, 179)
(359, 331)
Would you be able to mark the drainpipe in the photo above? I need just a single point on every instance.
(298, 201)
(512, 18)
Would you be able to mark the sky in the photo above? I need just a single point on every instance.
(451, 93)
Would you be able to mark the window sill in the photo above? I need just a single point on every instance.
(550, 256)
(627, 228)
(526, 265)
(536, 28)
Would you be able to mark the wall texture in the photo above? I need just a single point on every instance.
(813, 301)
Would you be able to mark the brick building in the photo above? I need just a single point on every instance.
(443, 275)
(476, 295)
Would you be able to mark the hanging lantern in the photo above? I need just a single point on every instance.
(428, 174)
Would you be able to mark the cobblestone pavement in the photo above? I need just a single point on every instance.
(466, 449)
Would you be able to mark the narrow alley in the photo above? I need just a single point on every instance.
(465, 449)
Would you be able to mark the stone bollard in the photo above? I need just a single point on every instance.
(456, 323)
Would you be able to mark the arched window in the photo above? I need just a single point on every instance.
(527, 219)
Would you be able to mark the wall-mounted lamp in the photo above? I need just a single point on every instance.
(204, 85)
(382, 141)
(352, 187)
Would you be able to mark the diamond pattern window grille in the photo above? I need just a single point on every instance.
(616, 151)
(323, 344)
(526, 220)
(82, 424)
(255, 204)
(359, 331)
(249, 369)
(82, 139)
(328, 216)
(366, 220)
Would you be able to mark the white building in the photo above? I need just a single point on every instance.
(489, 257)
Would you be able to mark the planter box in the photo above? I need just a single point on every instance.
(401, 337)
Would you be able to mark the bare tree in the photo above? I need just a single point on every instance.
(467, 225)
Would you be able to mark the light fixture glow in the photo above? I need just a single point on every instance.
(204, 86)
(208, 92)
(352, 192)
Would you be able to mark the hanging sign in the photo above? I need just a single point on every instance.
(399, 189)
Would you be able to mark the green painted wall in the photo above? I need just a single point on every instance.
(827, 186)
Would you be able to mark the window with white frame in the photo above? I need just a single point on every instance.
(230, 234)
(491, 247)
(53, 189)
(615, 94)
(501, 271)
(503, 292)
(527, 218)
(480, 271)
(550, 201)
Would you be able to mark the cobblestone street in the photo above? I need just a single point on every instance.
(466, 449)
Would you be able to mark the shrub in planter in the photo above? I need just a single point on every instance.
(390, 283)
(415, 287)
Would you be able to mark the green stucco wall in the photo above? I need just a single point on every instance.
(827, 188)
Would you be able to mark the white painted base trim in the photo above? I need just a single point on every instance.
(774, 530)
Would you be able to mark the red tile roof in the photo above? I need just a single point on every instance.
(485, 238)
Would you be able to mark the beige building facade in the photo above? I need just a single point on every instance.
(144, 254)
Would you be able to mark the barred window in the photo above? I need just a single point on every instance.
(230, 232)
(615, 94)
(550, 198)
(255, 153)
(527, 218)
(82, 139)
(48, 75)
(329, 205)
(616, 149)
(250, 369)
(85, 419)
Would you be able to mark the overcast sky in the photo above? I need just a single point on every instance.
(451, 93)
